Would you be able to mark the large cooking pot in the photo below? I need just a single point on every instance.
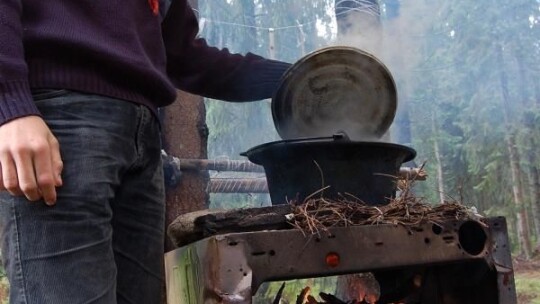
(295, 169)
(335, 90)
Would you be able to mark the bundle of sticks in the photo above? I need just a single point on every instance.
(316, 214)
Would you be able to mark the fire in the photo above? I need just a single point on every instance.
(360, 288)
(304, 295)
(363, 288)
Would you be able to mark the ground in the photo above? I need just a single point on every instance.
(527, 275)
(3, 290)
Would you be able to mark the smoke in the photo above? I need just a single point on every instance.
(397, 39)
(395, 36)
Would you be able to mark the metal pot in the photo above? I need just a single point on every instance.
(295, 169)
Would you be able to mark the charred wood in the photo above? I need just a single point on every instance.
(302, 297)
(328, 298)
(279, 294)
(191, 227)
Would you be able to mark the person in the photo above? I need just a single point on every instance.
(81, 183)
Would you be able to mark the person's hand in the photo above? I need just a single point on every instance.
(30, 159)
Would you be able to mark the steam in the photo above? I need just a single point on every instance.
(396, 41)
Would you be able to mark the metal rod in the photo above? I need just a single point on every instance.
(238, 185)
(247, 166)
(272, 43)
(219, 165)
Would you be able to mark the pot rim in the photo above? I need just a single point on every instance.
(328, 142)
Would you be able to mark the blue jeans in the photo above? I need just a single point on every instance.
(103, 240)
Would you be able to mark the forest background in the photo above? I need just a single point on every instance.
(468, 80)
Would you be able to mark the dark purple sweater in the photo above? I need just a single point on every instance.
(120, 49)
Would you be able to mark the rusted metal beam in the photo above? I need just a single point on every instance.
(234, 185)
(218, 165)
(185, 164)
(462, 261)
(239, 185)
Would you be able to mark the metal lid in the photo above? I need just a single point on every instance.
(335, 89)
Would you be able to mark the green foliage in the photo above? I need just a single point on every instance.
(4, 286)
(528, 287)
(463, 81)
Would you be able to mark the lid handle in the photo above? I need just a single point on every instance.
(341, 136)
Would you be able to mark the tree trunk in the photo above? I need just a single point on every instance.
(530, 145)
(523, 233)
(537, 93)
(533, 178)
(250, 40)
(517, 190)
(438, 158)
(534, 190)
(185, 135)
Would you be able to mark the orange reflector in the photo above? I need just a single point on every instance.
(332, 259)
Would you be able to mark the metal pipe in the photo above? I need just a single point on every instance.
(219, 165)
(183, 164)
(238, 185)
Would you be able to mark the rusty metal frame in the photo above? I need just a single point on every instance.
(230, 268)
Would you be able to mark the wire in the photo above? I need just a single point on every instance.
(254, 26)
(364, 6)
(298, 25)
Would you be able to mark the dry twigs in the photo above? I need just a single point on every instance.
(317, 214)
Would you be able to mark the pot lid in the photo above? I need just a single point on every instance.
(335, 89)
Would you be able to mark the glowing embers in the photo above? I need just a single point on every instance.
(347, 289)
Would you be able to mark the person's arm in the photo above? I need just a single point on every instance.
(198, 68)
(15, 98)
(29, 154)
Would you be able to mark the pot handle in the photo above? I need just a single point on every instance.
(339, 136)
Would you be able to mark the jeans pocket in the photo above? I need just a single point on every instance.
(43, 94)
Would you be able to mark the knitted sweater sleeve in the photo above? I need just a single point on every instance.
(196, 67)
(15, 97)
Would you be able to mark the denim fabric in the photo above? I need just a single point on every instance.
(103, 240)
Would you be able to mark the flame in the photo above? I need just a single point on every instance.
(304, 294)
